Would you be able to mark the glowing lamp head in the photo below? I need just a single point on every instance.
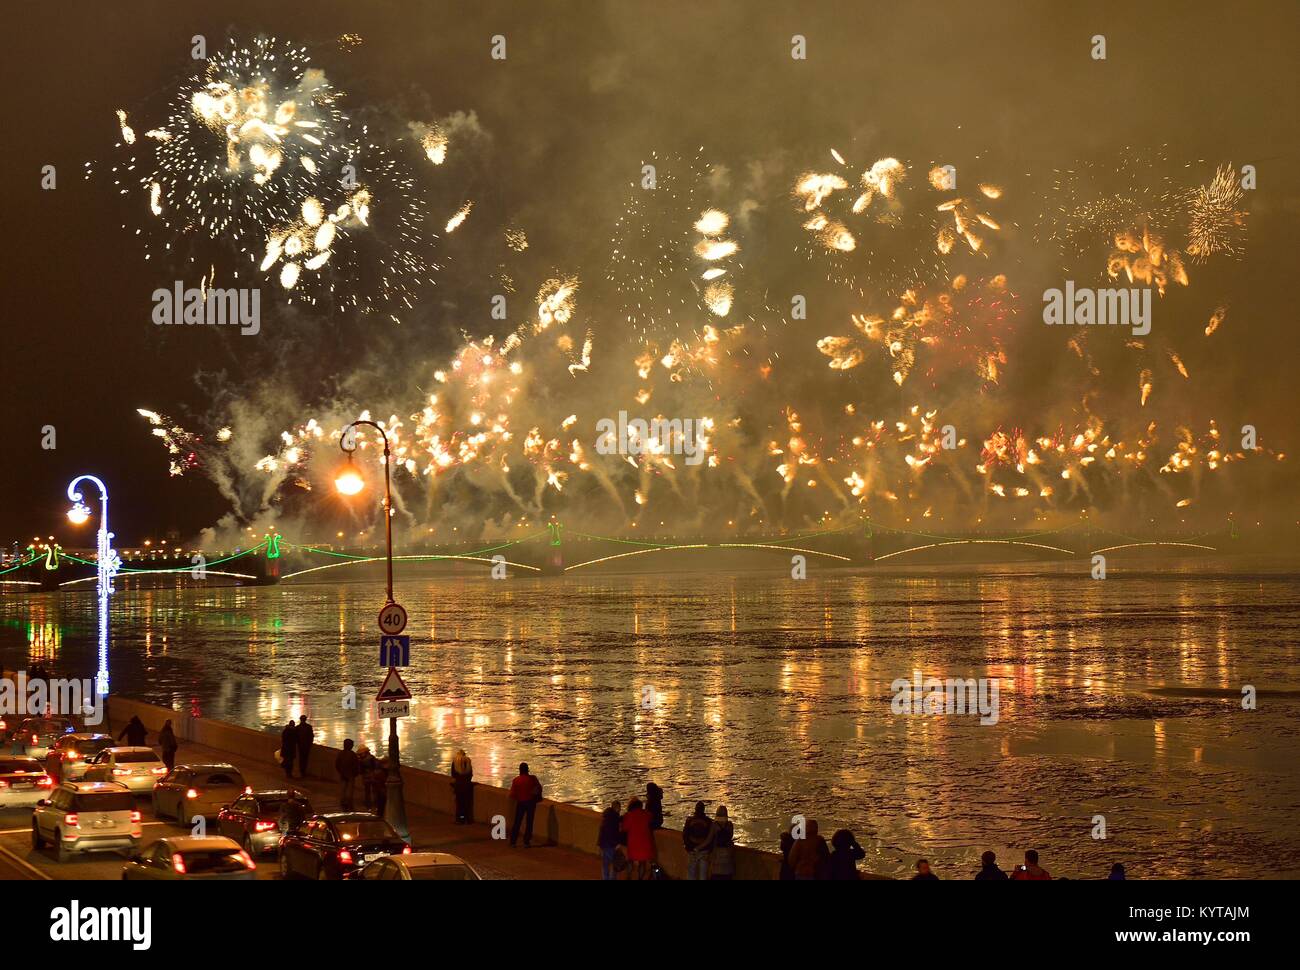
(349, 482)
(78, 514)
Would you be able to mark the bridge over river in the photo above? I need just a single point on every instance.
(555, 551)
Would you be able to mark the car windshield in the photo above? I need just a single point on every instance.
(219, 778)
(135, 757)
(440, 873)
(367, 830)
(88, 745)
(16, 766)
(212, 860)
(106, 801)
(46, 727)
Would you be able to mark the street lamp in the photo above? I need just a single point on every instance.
(106, 560)
(350, 482)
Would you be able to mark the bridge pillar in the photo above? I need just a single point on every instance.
(553, 556)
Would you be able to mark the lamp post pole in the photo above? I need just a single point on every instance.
(395, 806)
(107, 563)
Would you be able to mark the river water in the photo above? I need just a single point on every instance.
(1119, 698)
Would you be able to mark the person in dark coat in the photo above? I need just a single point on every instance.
(845, 853)
(293, 811)
(348, 767)
(990, 871)
(365, 775)
(379, 778)
(923, 873)
(462, 786)
(135, 732)
(699, 832)
(304, 736)
(654, 804)
(787, 843)
(609, 839)
(288, 747)
(167, 741)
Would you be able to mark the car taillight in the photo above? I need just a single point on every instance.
(70, 756)
(45, 781)
(248, 789)
(35, 739)
(178, 862)
(248, 862)
(160, 770)
(406, 850)
(135, 816)
(192, 793)
(264, 826)
(72, 819)
(345, 857)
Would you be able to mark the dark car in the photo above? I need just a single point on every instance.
(330, 846)
(72, 753)
(254, 819)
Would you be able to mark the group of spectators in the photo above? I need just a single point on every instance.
(627, 840)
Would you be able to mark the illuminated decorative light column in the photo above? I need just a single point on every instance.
(107, 562)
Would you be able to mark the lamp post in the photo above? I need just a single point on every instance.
(107, 564)
(349, 482)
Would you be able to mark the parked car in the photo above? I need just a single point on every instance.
(35, 736)
(86, 816)
(138, 768)
(71, 753)
(188, 857)
(418, 867)
(191, 790)
(23, 782)
(330, 846)
(253, 819)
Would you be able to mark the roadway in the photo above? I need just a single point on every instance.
(429, 831)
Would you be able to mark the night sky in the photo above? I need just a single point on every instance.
(588, 91)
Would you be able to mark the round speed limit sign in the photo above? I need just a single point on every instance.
(392, 619)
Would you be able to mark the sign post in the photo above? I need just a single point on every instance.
(392, 621)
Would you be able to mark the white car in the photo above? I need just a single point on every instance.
(137, 768)
(23, 782)
(87, 816)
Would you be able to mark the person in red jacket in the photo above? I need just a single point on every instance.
(526, 792)
(637, 825)
(1031, 870)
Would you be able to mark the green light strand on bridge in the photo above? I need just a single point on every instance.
(19, 565)
(169, 569)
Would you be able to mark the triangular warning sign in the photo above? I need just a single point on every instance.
(393, 688)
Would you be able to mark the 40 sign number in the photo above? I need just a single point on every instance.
(392, 619)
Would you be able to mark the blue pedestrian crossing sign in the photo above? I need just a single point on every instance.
(394, 651)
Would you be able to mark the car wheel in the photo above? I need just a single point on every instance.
(61, 850)
(285, 871)
(246, 843)
(37, 841)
